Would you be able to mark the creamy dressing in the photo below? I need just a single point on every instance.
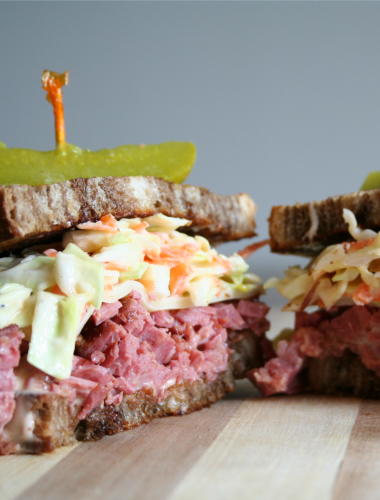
(21, 428)
(314, 223)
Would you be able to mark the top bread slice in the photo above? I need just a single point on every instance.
(31, 215)
(305, 229)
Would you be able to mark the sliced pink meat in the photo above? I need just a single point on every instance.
(107, 311)
(229, 317)
(95, 397)
(97, 357)
(133, 316)
(194, 316)
(322, 334)
(123, 348)
(252, 309)
(162, 318)
(111, 354)
(7, 380)
(160, 341)
(279, 374)
(100, 337)
(10, 340)
(89, 371)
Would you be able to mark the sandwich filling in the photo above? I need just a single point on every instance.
(121, 306)
(344, 283)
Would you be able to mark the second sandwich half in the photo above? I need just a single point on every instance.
(334, 347)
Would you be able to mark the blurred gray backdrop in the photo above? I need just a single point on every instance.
(282, 99)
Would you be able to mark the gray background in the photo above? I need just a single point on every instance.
(282, 99)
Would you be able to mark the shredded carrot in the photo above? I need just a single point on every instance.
(140, 228)
(247, 251)
(106, 223)
(172, 256)
(178, 278)
(109, 220)
(183, 251)
(219, 285)
(362, 294)
(222, 261)
(150, 285)
(57, 291)
(52, 82)
(357, 245)
(107, 288)
(114, 266)
(51, 252)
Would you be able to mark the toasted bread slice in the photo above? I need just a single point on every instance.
(55, 424)
(31, 215)
(305, 229)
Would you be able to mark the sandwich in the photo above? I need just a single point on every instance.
(115, 309)
(334, 347)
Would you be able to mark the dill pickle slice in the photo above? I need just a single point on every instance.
(171, 161)
(372, 181)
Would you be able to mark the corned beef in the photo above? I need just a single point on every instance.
(123, 349)
(107, 311)
(321, 334)
(10, 340)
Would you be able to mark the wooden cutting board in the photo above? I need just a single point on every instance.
(244, 447)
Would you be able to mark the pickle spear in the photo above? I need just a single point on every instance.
(171, 161)
(372, 181)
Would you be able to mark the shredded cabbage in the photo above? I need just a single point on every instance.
(54, 331)
(16, 305)
(346, 271)
(33, 272)
(103, 262)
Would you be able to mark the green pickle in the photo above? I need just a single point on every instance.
(171, 161)
(372, 181)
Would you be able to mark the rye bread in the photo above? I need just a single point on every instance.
(343, 376)
(291, 231)
(31, 215)
(56, 425)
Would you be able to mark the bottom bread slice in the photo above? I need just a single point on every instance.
(142, 407)
(52, 424)
(343, 376)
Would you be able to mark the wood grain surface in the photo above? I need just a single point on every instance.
(244, 447)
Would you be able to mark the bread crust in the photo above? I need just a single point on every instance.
(34, 214)
(289, 226)
(343, 376)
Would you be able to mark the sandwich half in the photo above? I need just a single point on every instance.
(115, 309)
(334, 347)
